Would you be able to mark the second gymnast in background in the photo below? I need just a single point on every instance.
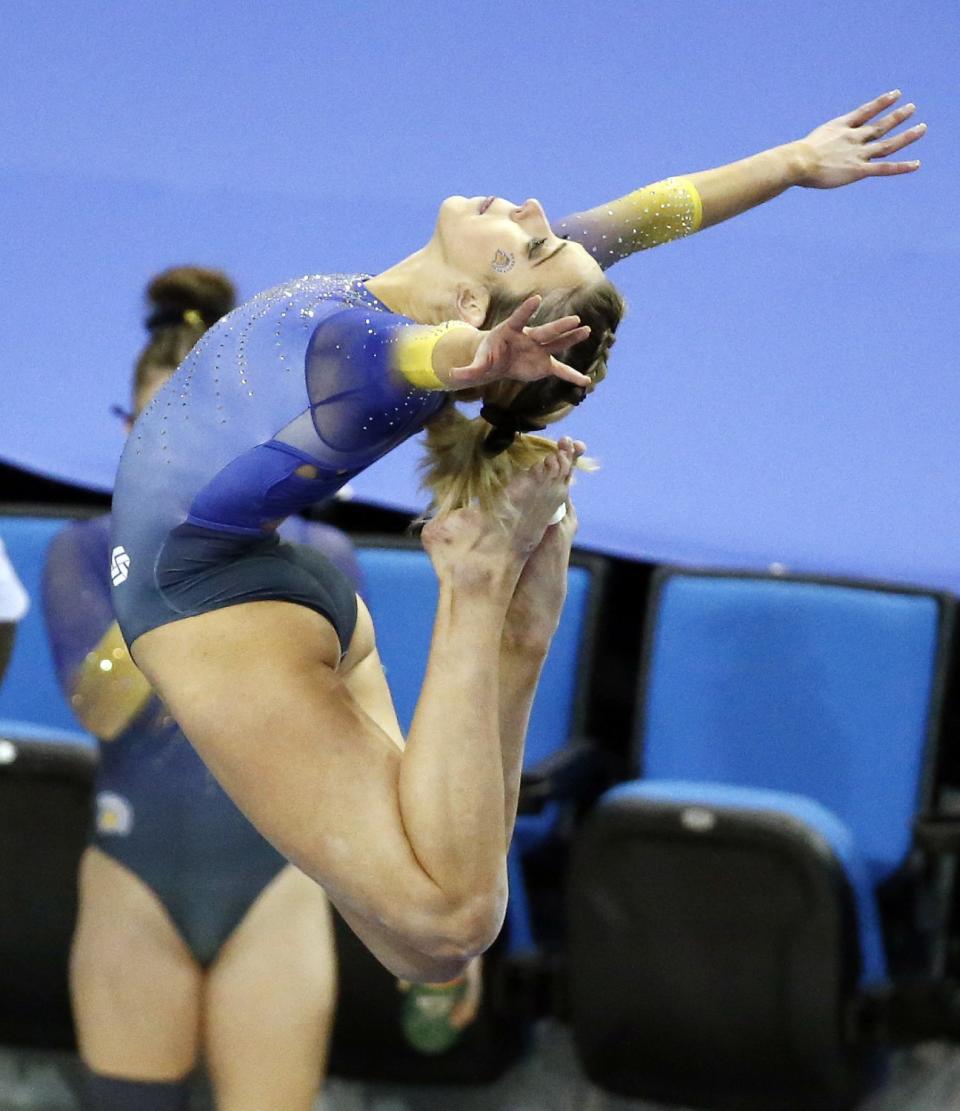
(195, 937)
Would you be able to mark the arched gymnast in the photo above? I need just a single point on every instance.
(261, 650)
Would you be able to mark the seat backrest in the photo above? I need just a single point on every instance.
(824, 689)
(29, 691)
(46, 783)
(401, 591)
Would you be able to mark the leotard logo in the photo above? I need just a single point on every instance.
(114, 814)
(119, 565)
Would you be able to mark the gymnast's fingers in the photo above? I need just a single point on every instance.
(890, 121)
(568, 339)
(896, 142)
(518, 319)
(543, 333)
(867, 111)
(888, 169)
(567, 373)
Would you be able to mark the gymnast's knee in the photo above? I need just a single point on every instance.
(469, 929)
(113, 1093)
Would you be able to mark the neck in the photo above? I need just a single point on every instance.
(415, 287)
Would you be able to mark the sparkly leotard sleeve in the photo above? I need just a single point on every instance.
(76, 596)
(279, 405)
(645, 218)
(304, 374)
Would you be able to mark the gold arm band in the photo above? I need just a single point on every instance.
(665, 210)
(109, 689)
(413, 353)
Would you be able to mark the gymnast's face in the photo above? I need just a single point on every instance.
(510, 247)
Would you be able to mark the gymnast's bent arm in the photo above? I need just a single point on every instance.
(103, 685)
(452, 355)
(839, 152)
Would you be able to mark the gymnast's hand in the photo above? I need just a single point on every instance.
(844, 150)
(513, 350)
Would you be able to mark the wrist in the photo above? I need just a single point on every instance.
(456, 347)
(799, 161)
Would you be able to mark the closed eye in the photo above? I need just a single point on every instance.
(534, 246)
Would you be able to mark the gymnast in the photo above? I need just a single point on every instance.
(194, 935)
(262, 651)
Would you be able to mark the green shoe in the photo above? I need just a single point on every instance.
(426, 1015)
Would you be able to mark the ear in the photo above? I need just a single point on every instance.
(472, 302)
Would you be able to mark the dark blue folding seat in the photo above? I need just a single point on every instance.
(729, 945)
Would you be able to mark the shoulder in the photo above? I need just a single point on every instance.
(339, 290)
(82, 539)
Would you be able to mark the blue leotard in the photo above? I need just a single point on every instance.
(300, 375)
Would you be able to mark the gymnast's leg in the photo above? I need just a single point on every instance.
(434, 1015)
(135, 989)
(410, 844)
(530, 625)
(269, 1000)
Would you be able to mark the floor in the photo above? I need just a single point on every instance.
(924, 1079)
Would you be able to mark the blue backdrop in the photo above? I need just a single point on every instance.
(785, 388)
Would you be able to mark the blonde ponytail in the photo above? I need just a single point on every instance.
(458, 472)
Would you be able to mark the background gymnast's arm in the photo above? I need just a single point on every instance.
(839, 152)
(105, 688)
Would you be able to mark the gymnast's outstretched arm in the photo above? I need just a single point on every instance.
(841, 151)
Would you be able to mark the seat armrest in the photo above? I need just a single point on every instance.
(579, 771)
(938, 833)
(907, 1012)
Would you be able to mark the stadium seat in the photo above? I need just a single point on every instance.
(46, 783)
(757, 917)
(29, 691)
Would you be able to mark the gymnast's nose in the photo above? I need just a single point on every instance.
(531, 207)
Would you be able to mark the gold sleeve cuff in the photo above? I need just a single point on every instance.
(665, 210)
(108, 690)
(413, 353)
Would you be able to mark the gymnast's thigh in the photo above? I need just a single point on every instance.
(135, 987)
(270, 999)
(255, 688)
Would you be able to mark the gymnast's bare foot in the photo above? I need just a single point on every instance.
(541, 590)
(469, 544)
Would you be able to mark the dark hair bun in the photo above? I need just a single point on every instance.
(182, 288)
